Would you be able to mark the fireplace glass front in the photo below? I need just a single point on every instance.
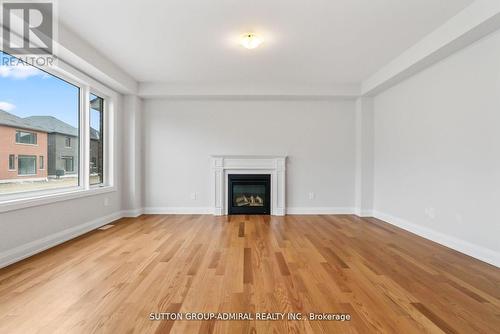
(249, 194)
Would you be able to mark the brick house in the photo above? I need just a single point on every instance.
(54, 143)
(23, 150)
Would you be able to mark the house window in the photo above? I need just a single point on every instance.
(26, 165)
(69, 165)
(67, 142)
(23, 137)
(96, 139)
(41, 164)
(12, 162)
(93, 165)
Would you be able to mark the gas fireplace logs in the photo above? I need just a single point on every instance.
(251, 200)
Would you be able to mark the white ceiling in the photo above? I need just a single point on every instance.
(308, 42)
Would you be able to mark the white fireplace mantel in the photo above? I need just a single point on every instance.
(223, 165)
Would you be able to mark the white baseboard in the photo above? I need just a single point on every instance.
(319, 211)
(132, 213)
(363, 213)
(178, 210)
(37, 246)
(462, 246)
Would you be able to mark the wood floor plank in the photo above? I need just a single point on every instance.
(282, 264)
(247, 264)
(434, 318)
(386, 279)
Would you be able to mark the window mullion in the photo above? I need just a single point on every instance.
(108, 142)
(85, 137)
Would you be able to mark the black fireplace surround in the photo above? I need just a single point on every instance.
(249, 194)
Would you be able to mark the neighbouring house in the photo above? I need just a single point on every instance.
(23, 150)
(63, 146)
(54, 142)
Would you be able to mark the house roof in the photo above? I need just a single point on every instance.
(47, 124)
(53, 125)
(17, 122)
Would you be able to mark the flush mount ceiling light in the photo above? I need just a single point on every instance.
(250, 41)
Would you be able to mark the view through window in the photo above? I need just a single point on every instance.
(96, 140)
(39, 129)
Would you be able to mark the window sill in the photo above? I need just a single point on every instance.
(38, 200)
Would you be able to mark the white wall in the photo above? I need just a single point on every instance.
(364, 157)
(131, 125)
(318, 137)
(32, 228)
(437, 151)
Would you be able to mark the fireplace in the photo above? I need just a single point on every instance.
(249, 194)
(221, 166)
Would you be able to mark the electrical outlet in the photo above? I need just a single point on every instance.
(430, 212)
(311, 195)
(194, 196)
(106, 201)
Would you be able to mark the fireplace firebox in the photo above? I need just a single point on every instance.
(249, 194)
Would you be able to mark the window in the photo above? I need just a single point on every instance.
(96, 139)
(51, 122)
(23, 137)
(43, 110)
(12, 162)
(69, 165)
(26, 165)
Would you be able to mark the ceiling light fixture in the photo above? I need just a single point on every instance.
(250, 41)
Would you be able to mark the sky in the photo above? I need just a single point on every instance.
(26, 91)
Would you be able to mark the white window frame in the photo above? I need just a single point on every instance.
(86, 84)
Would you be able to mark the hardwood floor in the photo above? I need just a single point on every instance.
(386, 279)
